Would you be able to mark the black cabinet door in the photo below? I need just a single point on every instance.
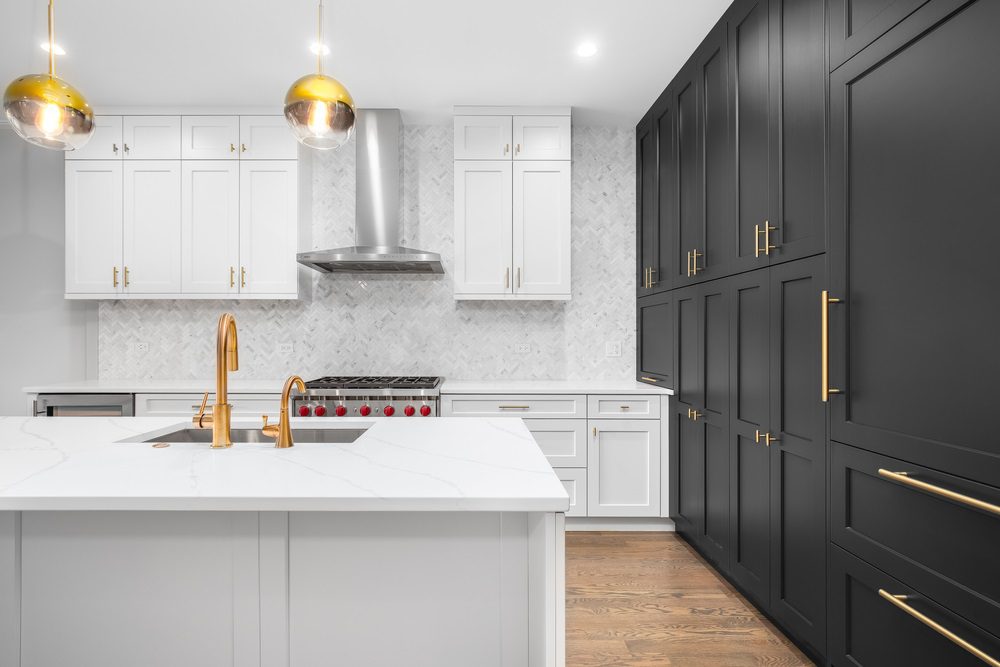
(798, 456)
(654, 344)
(914, 195)
(710, 257)
(854, 24)
(687, 451)
(868, 630)
(797, 118)
(749, 383)
(665, 134)
(750, 102)
(645, 202)
(689, 205)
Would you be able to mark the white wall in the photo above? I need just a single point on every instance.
(412, 324)
(43, 337)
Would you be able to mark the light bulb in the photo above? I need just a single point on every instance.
(50, 120)
(319, 118)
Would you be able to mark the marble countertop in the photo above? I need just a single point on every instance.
(444, 464)
(237, 386)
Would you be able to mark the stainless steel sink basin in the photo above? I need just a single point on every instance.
(253, 435)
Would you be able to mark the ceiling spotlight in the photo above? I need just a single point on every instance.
(319, 49)
(586, 50)
(58, 50)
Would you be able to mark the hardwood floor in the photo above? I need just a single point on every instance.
(648, 599)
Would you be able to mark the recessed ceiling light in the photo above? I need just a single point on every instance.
(586, 50)
(59, 51)
(319, 49)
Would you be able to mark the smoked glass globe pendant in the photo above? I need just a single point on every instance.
(318, 108)
(45, 110)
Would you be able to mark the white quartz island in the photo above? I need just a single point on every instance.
(423, 542)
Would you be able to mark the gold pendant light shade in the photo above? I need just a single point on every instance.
(48, 112)
(320, 111)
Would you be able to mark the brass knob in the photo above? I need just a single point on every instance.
(232, 148)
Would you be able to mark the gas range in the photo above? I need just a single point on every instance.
(369, 396)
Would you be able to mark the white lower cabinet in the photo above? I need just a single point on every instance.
(575, 482)
(247, 407)
(563, 441)
(623, 468)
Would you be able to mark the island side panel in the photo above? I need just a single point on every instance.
(10, 589)
(547, 589)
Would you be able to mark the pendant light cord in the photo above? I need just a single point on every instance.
(319, 38)
(52, 40)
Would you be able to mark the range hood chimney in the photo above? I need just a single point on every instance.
(376, 246)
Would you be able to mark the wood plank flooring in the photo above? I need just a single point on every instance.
(648, 599)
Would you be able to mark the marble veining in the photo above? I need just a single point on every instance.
(421, 465)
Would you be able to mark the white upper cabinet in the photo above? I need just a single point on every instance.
(152, 227)
(542, 138)
(210, 137)
(542, 228)
(151, 137)
(210, 227)
(483, 137)
(93, 227)
(106, 144)
(483, 232)
(267, 138)
(268, 227)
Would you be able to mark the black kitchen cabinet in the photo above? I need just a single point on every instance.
(914, 193)
(655, 335)
(645, 202)
(854, 24)
(700, 420)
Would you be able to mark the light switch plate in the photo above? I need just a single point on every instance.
(522, 348)
(613, 349)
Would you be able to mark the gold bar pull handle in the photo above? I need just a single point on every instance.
(694, 261)
(243, 276)
(232, 277)
(506, 278)
(519, 277)
(899, 601)
(756, 435)
(824, 327)
(648, 379)
(767, 238)
(689, 264)
(651, 281)
(756, 240)
(515, 407)
(905, 479)
(768, 439)
(595, 431)
(126, 276)
(114, 278)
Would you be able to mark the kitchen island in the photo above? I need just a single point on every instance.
(422, 542)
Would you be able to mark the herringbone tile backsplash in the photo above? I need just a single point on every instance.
(412, 324)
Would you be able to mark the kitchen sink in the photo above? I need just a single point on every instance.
(253, 435)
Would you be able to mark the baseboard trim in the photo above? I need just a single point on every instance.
(651, 525)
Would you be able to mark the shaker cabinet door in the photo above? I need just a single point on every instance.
(151, 137)
(93, 227)
(483, 227)
(541, 228)
(106, 142)
(655, 331)
(268, 227)
(152, 227)
(645, 204)
(483, 137)
(210, 227)
(542, 138)
(623, 468)
(210, 137)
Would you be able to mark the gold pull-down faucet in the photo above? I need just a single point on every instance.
(226, 360)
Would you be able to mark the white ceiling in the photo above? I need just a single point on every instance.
(422, 56)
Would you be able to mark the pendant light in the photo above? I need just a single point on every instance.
(318, 108)
(45, 110)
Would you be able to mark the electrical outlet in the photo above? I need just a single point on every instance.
(286, 348)
(522, 348)
(142, 348)
(613, 349)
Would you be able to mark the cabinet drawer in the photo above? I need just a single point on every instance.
(245, 406)
(944, 547)
(868, 630)
(575, 481)
(563, 441)
(623, 407)
(506, 405)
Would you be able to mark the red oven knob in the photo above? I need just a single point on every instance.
(425, 410)
(340, 410)
(320, 411)
(304, 411)
(365, 410)
(409, 411)
(388, 411)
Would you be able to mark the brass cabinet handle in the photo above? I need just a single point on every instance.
(126, 276)
(905, 479)
(767, 238)
(693, 415)
(768, 439)
(626, 408)
(899, 601)
(232, 148)
(756, 240)
(243, 148)
(243, 276)
(506, 278)
(595, 431)
(515, 407)
(694, 261)
(517, 149)
(689, 264)
(824, 327)
(232, 277)
(114, 148)
(519, 277)
(125, 146)
(648, 379)
(114, 277)
(756, 436)
(506, 148)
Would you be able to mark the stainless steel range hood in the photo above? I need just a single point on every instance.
(376, 227)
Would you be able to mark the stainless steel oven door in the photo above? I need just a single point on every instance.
(85, 405)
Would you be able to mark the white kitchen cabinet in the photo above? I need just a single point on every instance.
(483, 137)
(151, 137)
(246, 407)
(106, 144)
(574, 480)
(267, 138)
(546, 406)
(151, 253)
(623, 407)
(563, 441)
(93, 227)
(483, 229)
(542, 138)
(623, 468)
(542, 228)
(210, 137)
(268, 227)
(210, 227)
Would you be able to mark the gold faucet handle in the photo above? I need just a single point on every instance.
(200, 420)
(270, 430)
